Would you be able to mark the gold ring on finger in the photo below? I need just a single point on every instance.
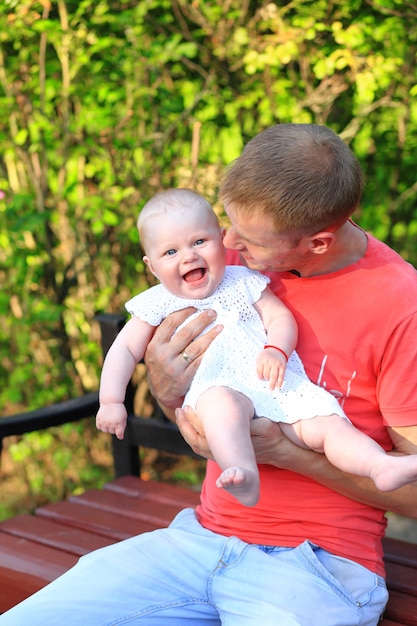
(186, 357)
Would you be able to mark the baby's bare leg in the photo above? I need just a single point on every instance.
(352, 451)
(226, 415)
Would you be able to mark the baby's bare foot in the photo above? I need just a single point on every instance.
(242, 483)
(395, 471)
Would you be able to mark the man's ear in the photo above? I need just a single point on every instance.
(321, 242)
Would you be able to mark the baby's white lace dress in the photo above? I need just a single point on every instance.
(230, 360)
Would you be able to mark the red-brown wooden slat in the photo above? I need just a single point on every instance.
(401, 578)
(26, 566)
(111, 525)
(399, 551)
(16, 586)
(44, 562)
(402, 608)
(139, 508)
(160, 492)
(55, 535)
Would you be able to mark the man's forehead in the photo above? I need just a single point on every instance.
(256, 226)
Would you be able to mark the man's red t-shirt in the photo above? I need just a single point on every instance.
(357, 339)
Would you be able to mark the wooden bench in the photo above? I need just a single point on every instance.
(36, 549)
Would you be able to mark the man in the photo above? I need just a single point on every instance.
(314, 538)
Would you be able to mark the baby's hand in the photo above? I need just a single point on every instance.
(111, 418)
(271, 365)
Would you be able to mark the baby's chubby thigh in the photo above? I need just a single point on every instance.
(312, 433)
(225, 404)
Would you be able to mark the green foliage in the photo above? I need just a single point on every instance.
(104, 103)
(49, 465)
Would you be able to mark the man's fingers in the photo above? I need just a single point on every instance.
(195, 349)
(169, 325)
(188, 337)
(187, 343)
(189, 423)
(186, 429)
(192, 430)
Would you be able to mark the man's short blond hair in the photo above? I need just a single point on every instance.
(303, 175)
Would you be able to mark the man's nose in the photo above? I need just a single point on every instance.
(231, 240)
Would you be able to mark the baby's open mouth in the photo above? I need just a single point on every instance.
(194, 275)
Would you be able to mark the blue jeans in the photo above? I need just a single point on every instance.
(189, 575)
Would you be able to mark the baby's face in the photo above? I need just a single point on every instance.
(186, 253)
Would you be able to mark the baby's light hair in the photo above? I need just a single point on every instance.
(168, 201)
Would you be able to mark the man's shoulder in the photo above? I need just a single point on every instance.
(391, 281)
(390, 262)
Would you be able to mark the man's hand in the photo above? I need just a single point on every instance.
(173, 359)
(270, 444)
(192, 430)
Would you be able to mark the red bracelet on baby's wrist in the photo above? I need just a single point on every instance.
(279, 350)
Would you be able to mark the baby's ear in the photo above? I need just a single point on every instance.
(147, 261)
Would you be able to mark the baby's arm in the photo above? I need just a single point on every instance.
(282, 332)
(126, 351)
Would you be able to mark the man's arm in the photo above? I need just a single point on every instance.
(273, 448)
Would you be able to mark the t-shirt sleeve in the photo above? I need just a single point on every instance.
(148, 306)
(255, 283)
(396, 384)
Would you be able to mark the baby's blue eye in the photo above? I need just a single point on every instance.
(170, 252)
(199, 242)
